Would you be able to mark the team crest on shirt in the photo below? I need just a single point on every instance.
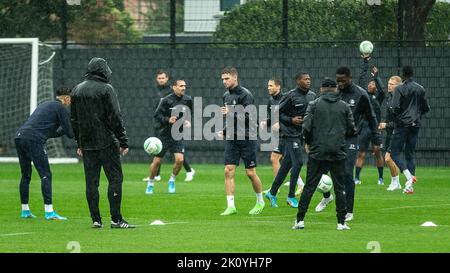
(295, 145)
(234, 102)
(352, 102)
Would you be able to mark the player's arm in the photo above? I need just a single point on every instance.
(351, 128)
(395, 105)
(74, 119)
(307, 124)
(364, 68)
(161, 113)
(424, 106)
(115, 122)
(64, 121)
(283, 110)
(365, 108)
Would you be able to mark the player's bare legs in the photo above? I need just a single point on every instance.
(395, 179)
(257, 187)
(275, 160)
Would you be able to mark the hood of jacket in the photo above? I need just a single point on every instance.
(98, 69)
(331, 97)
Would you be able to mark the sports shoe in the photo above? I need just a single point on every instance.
(97, 224)
(324, 203)
(54, 216)
(292, 202)
(27, 214)
(229, 211)
(171, 186)
(149, 189)
(409, 189)
(380, 182)
(394, 186)
(348, 217)
(299, 225)
(272, 199)
(121, 224)
(257, 209)
(342, 227)
(158, 178)
(357, 181)
(190, 175)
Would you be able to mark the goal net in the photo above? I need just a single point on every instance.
(26, 79)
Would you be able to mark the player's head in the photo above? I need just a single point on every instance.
(63, 94)
(407, 72)
(162, 77)
(393, 82)
(303, 80)
(274, 86)
(343, 77)
(372, 87)
(179, 87)
(229, 77)
(328, 85)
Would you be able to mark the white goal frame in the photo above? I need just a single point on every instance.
(34, 42)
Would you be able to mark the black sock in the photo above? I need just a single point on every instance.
(380, 172)
(357, 173)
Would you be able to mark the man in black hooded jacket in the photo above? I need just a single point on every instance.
(101, 138)
(327, 124)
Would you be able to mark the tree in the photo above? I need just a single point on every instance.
(415, 14)
(93, 21)
(322, 20)
(159, 16)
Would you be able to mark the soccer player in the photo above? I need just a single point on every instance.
(365, 138)
(101, 137)
(164, 120)
(409, 104)
(50, 119)
(163, 86)
(359, 102)
(388, 125)
(236, 148)
(292, 110)
(327, 124)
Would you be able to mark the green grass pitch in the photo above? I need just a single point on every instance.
(390, 219)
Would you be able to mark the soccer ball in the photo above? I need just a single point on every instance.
(325, 184)
(152, 146)
(366, 47)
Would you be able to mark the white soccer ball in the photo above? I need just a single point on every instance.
(325, 184)
(152, 146)
(366, 47)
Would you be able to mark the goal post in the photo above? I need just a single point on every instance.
(26, 79)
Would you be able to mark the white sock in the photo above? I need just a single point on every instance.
(300, 182)
(396, 179)
(230, 201)
(25, 207)
(172, 177)
(48, 208)
(259, 198)
(407, 174)
(151, 182)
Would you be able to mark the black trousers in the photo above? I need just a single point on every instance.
(292, 160)
(31, 151)
(315, 170)
(109, 159)
(352, 151)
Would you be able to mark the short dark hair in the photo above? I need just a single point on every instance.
(300, 75)
(344, 70)
(407, 71)
(175, 82)
(63, 91)
(162, 71)
(229, 70)
(328, 83)
(276, 80)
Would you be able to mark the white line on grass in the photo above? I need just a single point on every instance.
(413, 207)
(15, 234)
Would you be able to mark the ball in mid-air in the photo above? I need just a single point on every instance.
(152, 146)
(366, 47)
(325, 184)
